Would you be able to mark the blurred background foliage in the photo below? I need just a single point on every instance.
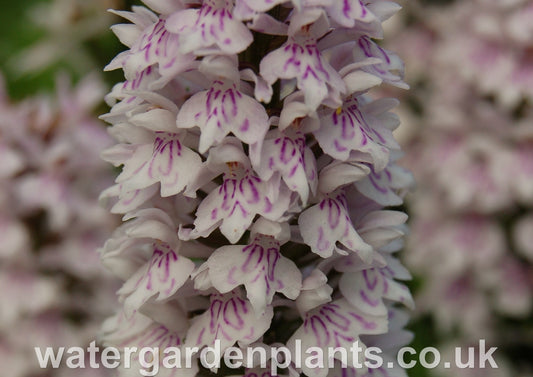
(37, 42)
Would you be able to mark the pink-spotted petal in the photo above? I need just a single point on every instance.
(327, 223)
(229, 319)
(259, 266)
(127, 200)
(223, 109)
(299, 58)
(391, 68)
(387, 186)
(166, 160)
(336, 324)
(212, 29)
(140, 331)
(233, 206)
(286, 154)
(347, 12)
(366, 290)
(160, 277)
(346, 129)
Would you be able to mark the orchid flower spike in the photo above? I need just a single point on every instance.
(256, 169)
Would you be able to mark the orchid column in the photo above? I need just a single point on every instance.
(255, 172)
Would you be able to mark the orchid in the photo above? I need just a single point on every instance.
(221, 110)
(163, 159)
(286, 156)
(211, 29)
(335, 325)
(255, 171)
(322, 239)
(300, 58)
(229, 318)
(349, 130)
(259, 266)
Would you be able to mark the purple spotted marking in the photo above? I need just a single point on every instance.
(241, 194)
(322, 244)
(347, 129)
(158, 336)
(368, 325)
(162, 256)
(368, 300)
(329, 325)
(288, 155)
(226, 311)
(370, 284)
(263, 256)
(211, 23)
(374, 178)
(165, 145)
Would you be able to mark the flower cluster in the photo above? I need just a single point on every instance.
(54, 292)
(493, 39)
(255, 172)
(472, 156)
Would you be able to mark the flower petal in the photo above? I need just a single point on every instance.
(286, 153)
(229, 319)
(223, 109)
(234, 205)
(210, 29)
(161, 276)
(336, 324)
(326, 223)
(366, 290)
(259, 266)
(166, 161)
(346, 129)
(301, 59)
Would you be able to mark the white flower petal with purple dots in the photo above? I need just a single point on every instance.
(166, 160)
(259, 266)
(229, 319)
(336, 324)
(391, 68)
(327, 223)
(386, 187)
(126, 200)
(138, 330)
(212, 29)
(347, 12)
(233, 206)
(286, 154)
(366, 290)
(223, 109)
(161, 277)
(156, 45)
(299, 58)
(346, 129)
